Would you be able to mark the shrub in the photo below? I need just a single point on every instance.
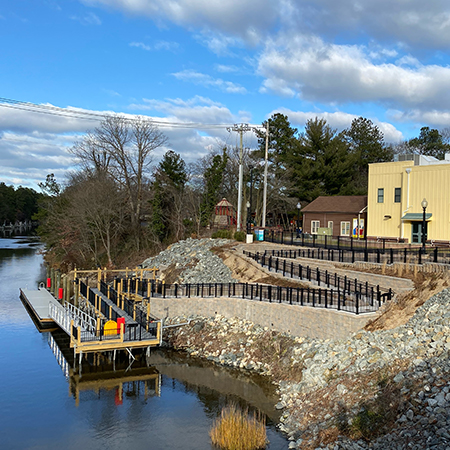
(240, 236)
(222, 234)
(236, 430)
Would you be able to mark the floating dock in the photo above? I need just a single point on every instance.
(37, 304)
(107, 320)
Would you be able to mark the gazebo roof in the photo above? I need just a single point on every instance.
(224, 202)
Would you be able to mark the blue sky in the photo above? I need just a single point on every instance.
(211, 62)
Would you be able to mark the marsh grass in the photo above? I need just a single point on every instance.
(238, 430)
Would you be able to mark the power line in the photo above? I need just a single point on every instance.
(86, 115)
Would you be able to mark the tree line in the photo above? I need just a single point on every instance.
(118, 204)
(17, 204)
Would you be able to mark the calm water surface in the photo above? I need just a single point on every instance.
(169, 402)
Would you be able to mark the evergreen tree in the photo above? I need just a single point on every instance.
(167, 200)
(366, 146)
(430, 142)
(213, 178)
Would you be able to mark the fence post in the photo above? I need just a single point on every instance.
(339, 299)
(391, 251)
(435, 254)
(420, 256)
(292, 269)
(357, 303)
(284, 267)
(318, 276)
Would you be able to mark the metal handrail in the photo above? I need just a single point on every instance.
(81, 318)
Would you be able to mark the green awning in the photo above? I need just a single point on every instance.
(416, 216)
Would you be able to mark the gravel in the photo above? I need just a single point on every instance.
(195, 260)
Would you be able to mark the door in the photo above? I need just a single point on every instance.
(417, 232)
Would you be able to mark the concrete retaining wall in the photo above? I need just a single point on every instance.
(295, 320)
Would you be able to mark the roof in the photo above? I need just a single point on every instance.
(416, 216)
(338, 204)
(225, 202)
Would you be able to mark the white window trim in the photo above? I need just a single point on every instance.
(315, 225)
(345, 231)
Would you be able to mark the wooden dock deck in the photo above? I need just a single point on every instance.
(88, 333)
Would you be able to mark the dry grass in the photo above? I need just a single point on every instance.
(237, 430)
(398, 312)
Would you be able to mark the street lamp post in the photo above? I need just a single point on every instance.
(424, 223)
(248, 218)
(298, 218)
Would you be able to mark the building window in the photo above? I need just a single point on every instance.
(345, 228)
(397, 195)
(380, 195)
(315, 224)
(330, 225)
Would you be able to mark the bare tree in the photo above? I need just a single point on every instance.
(123, 148)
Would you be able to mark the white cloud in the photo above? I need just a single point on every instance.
(159, 45)
(247, 19)
(432, 118)
(226, 69)
(197, 110)
(167, 46)
(339, 120)
(88, 19)
(331, 73)
(413, 22)
(208, 81)
(140, 45)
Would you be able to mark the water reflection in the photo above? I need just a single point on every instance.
(175, 380)
(166, 402)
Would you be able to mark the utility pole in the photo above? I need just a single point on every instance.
(241, 129)
(263, 222)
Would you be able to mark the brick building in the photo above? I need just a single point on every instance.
(337, 216)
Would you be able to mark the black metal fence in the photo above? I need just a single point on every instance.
(347, 249)
(130, 307)
(132, 330)
(350, 286)
(342, 299)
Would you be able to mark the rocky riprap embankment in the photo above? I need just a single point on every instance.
(395, 383)
(194, 261)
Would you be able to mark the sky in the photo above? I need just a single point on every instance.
(188, 64)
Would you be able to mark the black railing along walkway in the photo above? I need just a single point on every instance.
(338, 299)
(347, 249)
(350, 286)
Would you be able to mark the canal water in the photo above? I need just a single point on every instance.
(167, 402)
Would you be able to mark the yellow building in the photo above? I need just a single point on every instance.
(395, 195)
